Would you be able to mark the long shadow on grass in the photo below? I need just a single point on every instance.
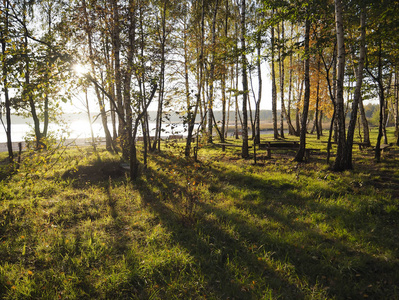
(352, 266)
(341, 268)
(230, 269)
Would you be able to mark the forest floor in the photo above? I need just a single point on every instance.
(72, 226)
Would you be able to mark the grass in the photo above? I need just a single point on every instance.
(74, 227)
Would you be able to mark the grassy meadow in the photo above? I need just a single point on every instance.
(72, 226)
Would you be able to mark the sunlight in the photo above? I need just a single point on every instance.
(80, 69)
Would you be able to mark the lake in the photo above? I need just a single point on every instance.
(78, 129)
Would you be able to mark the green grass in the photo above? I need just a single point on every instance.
(74, 227)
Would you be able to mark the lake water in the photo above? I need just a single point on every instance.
(79, 129)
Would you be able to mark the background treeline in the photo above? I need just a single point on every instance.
(324, 58)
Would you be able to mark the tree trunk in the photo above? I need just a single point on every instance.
(108, 138)
(382, 105)
(291, 129)
(229, 101)
(134, 164)
(364, 122)
(224, 77)
(158, 130)
(302, 140)
(211, 76)
(257, 109)
(27, 92)
(200, 65)
(111, 87)
(281, 69)
(347, 164)
(396, 105)
(93, 142)
(245, 152)
(297, 112)
(4, 67)
(130, 49)
(317, 99)
(320, 126)
(187, 87)
(274, 90)
(116, 48)
(385, 120)
(236, 111)
(339, 164)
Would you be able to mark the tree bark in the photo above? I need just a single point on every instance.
(339, 164)
(3, 37)
(157, 140)
(200, 64)
(257, 109)
(291, 129)
(281, 69)
(27, 89)
(381, 93)
(116, 48)
(245, 152)
(364, 122)
(317, 99)
(396, 105)
(347, 164)
(211, 76)
(302, 139)
(108, 138)
(274, 90)
(223, 79)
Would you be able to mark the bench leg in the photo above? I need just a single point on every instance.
(307, 154)
(269, 153)
(195, 153)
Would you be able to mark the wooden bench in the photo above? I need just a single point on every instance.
(239, 133)
(223, 145)
(361, 145)
(175, 137)
(141, 138)
(193, 139)
(383, 147)
(283, 146)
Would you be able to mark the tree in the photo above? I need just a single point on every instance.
(200, 64)
(341, 146)
(381, 57)
(302, 142)
(88, 29)
(211, 74)
(40, 64)
(274, 89)
(281, 71)
(245, 152)
(347, 164)
(4, 37)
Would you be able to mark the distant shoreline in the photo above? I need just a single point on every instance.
(87, 141)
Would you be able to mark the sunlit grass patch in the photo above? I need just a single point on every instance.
(217, 228)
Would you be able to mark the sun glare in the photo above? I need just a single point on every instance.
(80, 70)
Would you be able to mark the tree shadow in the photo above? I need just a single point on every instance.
(232, 247)
(328, 261)
(224, 260)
